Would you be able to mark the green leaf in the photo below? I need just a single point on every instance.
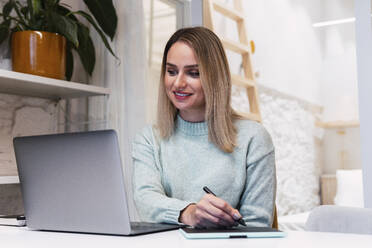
(105, 14)
(21, 21)
(103, 37)
(24, 11)
(66, 12)
(86, 49)
(35, 7)
(69, 61)
(8, 7)
(38, 24)
(50, 3)
(65, 27)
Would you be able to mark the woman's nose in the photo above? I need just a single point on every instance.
(180, 81)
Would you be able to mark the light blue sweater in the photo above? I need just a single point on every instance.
(170, 174)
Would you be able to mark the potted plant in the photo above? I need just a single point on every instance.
(50, 19)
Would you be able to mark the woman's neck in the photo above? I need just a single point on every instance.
(192, 116)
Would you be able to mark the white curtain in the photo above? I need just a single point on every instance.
(124, 109)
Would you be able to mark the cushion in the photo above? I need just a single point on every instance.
(349, 188)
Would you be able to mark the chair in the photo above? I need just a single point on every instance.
(275, 220)
(328, 218)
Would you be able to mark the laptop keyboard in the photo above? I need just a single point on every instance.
(149, 227)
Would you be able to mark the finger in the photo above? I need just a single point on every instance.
(236, 215)
(203, 219)
(219, 203)
(223, 218)
(209, 221)
(226, 207)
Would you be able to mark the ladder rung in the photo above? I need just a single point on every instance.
(250, 116)
(235, 46)
(227, 11)
(243, 82)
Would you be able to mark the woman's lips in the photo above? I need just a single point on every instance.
(181, 95)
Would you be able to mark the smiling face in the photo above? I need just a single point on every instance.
(182, 82)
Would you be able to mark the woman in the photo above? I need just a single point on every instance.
(200, 141)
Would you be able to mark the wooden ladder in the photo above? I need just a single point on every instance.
(242, 47)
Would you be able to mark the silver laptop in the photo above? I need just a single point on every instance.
(74, 182)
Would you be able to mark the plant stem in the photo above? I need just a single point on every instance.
(18, 21)
(18, 13)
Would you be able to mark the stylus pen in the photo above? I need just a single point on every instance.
(208, 191)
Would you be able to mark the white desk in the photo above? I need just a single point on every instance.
(15, 237)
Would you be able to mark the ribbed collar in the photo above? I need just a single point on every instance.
(191, 128)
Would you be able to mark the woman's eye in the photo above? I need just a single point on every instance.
(172, 72)
(194, 74)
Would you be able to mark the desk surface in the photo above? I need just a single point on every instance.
(12, 237)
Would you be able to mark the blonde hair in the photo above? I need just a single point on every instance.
(216, 83)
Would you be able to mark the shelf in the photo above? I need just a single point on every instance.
(337, 124)
(35, 86)
(9, 179)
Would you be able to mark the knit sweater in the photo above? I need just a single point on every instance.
(169, 174)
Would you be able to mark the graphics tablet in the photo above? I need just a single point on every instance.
(234, 232)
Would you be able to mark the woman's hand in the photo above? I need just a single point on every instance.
(210, 211)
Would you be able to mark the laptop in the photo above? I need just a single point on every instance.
(74, 182)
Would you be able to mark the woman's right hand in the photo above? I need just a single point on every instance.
(210, 211)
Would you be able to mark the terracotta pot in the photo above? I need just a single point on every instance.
(39, 53)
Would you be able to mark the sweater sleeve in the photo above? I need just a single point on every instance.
(151, 201)
(258, 199)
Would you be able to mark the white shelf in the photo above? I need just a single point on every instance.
(337, 124)
(9, 179)
(35, 86)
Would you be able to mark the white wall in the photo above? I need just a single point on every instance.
(163, 15)
(364, 55)
(288, 52)
(317, 65)
(338, 91)
(21, 116)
